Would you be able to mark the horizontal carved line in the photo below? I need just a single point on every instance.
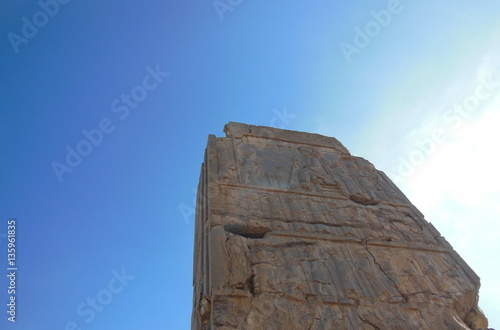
(340, 239)
(302, 193)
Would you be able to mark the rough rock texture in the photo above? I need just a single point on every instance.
(293, 232)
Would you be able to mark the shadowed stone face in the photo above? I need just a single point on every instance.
(293, 232)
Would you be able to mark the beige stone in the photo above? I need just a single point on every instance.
(293, 232)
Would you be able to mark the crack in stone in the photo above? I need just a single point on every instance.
(251, 284)
(229, 256)
(405, 297)
(368, 322)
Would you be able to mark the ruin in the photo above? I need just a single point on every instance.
(293, 232)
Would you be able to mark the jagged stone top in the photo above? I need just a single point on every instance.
(240, 130)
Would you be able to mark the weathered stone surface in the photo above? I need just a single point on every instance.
(293, 232)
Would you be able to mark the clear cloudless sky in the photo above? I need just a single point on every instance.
(105, 239)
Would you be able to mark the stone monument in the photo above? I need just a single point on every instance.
(293, 232)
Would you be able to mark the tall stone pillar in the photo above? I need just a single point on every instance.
(293, 232)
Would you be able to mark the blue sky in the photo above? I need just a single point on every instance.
(149, 81)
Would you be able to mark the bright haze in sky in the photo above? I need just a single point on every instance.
(107, 105)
